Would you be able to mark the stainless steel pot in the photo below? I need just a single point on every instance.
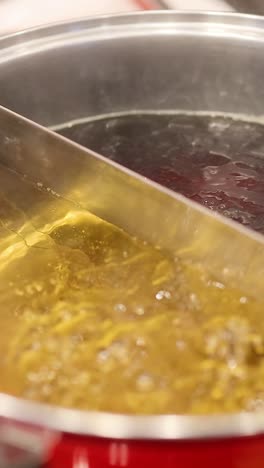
(151, 61)
(155, 61)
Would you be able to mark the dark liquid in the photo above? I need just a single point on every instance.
(216, 161)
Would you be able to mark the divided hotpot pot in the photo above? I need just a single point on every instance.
(140, 62)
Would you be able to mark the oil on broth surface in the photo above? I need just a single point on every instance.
(94, 319)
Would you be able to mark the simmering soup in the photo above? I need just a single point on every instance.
(215, 160)
(92, 318)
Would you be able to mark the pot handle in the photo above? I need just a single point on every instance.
(23, 445)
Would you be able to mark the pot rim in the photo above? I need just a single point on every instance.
(240, 26)
(128, 427)
(123, 426)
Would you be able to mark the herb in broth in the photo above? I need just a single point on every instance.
(92, 318)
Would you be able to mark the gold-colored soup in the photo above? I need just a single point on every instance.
(91, 318)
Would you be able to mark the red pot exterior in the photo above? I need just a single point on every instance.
(84, 452)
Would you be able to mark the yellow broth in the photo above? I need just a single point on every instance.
(92, 318)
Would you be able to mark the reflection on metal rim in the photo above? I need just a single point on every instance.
(182, 20)
(108, 425)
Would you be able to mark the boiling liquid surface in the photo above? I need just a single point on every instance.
(216, 160)
(92, 318)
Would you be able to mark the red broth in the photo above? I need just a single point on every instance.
(216, 160)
